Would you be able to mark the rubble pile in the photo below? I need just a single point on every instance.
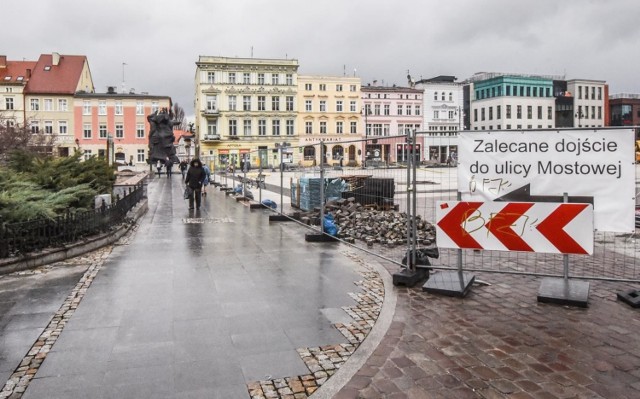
(372, 225)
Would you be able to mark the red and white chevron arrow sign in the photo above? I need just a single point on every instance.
(516, 226)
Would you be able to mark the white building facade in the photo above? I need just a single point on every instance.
(590, 100)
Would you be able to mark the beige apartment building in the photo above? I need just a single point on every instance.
(245, 109)
(329, 111)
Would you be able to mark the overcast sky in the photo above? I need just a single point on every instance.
(160, 40)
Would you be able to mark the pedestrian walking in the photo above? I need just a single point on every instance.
(207, 178)
(168, 164)
(159, 167)
(194, 180)
(183, 168)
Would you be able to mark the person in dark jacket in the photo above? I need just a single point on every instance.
(195, 178)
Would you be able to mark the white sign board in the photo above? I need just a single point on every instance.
(595, 166)
(516, 226)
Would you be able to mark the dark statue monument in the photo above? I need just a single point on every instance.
(161, 137)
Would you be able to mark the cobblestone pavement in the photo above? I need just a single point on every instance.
(499, 342)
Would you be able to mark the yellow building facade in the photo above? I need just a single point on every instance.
(246, 108)
(329, 111)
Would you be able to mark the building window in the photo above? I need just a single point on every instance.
(48, 127)
(323, 87)
(308, 127)
(48, 104)
(435, 96)
(490, 114)
(352, 88)
(86, 131)
(289, 79)
(275, 127)
(376, 109)
(246, 127)
(338, 87)
(539, 111)
(262, 127)
(211, 77)
(529, 111)
(450, 114)
(62, 127)
(246, 103)
(339, 127)
(289, 127)
(155, 107)
(353, 128)
(87, 155)
(232, 103)
(262, 101)
(436, 114)
(261, 78)
(139, 108)
(579, 92)
(275, 79)
(140, 130)
(35, 104)
(475, 115)
(140, 156)
(246, 78)
(289, 103)
(599, 112)
(593, 112)
(409, 109)
(308, 107)
(450, 96)
(233, 127)
(212, 128)
(535, 92)
(498, 111)
(323, 106)
(549, 112)
(599, 93)
(119, 131)
(275, 103)
(519, 112)
(482, 116)
(385, 129)
(8, 103)
(323, 127)
(508, 90)
(212, 103)
(102, 131)
(386, 110)
(399, 109)
(118, 109)
(508, 111)
(339, 106)
(308, 86)
(352, 106)
(417, 109)
(593, 93)
(102, 107)
(232, 78)
(35, 127)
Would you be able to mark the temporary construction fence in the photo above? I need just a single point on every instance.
(383, 191)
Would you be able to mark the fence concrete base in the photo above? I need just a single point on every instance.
(456, 284)
(564, 292)
(52, 255)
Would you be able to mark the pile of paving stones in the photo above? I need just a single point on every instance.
(370, 223)
(325, 361)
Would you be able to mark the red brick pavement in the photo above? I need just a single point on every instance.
(499, 342)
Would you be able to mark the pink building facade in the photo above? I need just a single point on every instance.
(389, 114)
(115, 124)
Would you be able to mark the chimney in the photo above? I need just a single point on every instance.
(111, 90)
(55, 58)
(28, 73)
(3, 61)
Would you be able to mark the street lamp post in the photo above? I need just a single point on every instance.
(281, 147)
(366, 136)
(109, 149)
(580, 115)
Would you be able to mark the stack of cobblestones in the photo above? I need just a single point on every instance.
(323, 362)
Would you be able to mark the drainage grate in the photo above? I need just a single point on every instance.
(631, 298)
(206, 220)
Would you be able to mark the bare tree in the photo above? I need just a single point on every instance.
(23, 137)
(178, 114)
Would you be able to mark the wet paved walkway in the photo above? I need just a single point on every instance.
(199, 307)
